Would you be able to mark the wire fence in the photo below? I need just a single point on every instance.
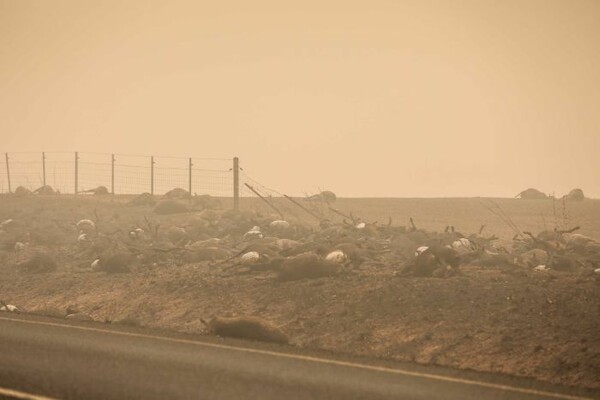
(71, 173)
(126, 174)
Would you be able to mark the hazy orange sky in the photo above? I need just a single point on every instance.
(367, 98)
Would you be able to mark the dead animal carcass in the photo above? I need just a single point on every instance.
(249, 328)
(575, 195)
(177, 193)
(86, 226)
(45, 190)
(306, 266)
(531, 194)
(433, 261)
(325, 196)
(97, 191)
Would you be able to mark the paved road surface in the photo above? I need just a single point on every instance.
(65, 360)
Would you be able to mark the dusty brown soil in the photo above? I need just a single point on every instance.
(497, 319)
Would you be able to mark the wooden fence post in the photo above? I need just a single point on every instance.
(112, 174)
(236, 183)
(44, 168)
(152, 175)
(190, 177)
(76, 172)
(8, 173)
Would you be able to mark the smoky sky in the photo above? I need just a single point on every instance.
(365, 98)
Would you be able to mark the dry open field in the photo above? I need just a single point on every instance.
(498, 319)
(468, 214)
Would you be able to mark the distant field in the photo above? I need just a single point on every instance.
(466, 214)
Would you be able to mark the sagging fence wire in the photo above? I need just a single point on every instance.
(270, 201)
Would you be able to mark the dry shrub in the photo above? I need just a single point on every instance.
(116, 263)
(8, 239)
(306, 266)
(49, 234)
(207, 254)
(564, 263)
(46, 311)
(175, 234)
(177, 193)
(79, 317)
(38, 262)
(100, 191)
(128, 321)
(166, 207)
(206, 201)
(144, 199)
(45, 190)
(249, 328)
(22, 191)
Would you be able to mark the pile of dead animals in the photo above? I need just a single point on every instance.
(247, 242)
(561, 250)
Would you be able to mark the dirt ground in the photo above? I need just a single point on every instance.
(495, 318)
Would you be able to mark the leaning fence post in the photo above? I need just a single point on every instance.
(236, 183)
(112, 174)
(152, 175)
(190, 176)
(8, 173)
(76, 172)
(44, 168)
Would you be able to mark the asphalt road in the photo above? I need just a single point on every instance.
(64, 360)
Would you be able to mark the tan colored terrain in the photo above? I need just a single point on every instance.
(497, 319)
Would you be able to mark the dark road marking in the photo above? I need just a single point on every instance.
(348, 364)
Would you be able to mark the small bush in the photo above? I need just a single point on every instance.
(22, 191)
(170, 207)
(144, 199)
(116, 263)
(206, 201)
(37, 263)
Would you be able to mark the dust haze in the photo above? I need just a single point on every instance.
(393, 99)
(300, 200)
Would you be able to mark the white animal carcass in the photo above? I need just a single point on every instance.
(463, 245)
(10, 308)
(279, 224)
(337, 256)
(286, 244)
(249, 258)
(137, 233)
(86, 226)
(421, 250)
(253, 233)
